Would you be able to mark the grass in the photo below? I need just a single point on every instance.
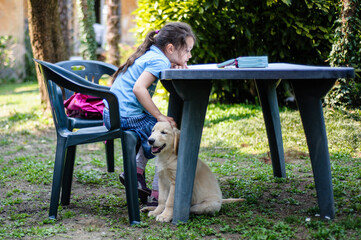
(234, 145)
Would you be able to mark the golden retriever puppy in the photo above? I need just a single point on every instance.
(206, 196)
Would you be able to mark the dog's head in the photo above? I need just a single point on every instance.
(164, 138)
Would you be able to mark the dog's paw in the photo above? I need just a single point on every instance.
(156, 211)
(152, 214)
(164, 218)
(147, 209)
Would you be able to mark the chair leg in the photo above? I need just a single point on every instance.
(57, 176)
(129, 143)
(68, 175)
(109, 150)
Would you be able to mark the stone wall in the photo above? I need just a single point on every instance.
(13, 24)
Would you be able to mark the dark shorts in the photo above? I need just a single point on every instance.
(142, 125)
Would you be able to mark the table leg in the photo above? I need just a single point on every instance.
(268, 98)
(308, 95)
(195, 95)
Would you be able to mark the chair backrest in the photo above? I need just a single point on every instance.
(91, 70)
(55, 77)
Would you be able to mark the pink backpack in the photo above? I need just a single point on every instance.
(84, 106)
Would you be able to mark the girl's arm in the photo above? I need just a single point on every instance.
(176, 66)
(141, 92)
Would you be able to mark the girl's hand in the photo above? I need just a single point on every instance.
(141, 92)
(163, 118)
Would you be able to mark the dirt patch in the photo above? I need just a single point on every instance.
(291, 156)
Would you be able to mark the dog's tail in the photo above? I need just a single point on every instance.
(232, 200)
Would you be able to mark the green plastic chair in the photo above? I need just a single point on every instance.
(92, 71)
(55, 76)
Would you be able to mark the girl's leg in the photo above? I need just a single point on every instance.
(141, 164)
(142, 125)
(153, 199)
(141, 161)
(143, 191)
(155, 181)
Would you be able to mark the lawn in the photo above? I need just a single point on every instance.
(234, 145)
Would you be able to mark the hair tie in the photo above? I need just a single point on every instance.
(156, 31)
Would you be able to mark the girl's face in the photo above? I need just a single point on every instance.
(181, 56)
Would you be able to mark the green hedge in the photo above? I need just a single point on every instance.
(301, 32)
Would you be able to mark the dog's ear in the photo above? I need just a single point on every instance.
(176, 140)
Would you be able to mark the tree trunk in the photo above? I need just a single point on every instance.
(45, 36)
(66, 20)
(88, 45)
(113, 33)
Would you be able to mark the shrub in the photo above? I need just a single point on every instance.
(346, 51)
(30, 69)
(300, 32)
(6, 61)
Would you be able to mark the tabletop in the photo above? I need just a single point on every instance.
(273, 71)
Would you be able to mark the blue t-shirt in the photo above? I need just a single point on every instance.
(153, 61)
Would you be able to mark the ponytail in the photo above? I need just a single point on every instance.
(145, 46)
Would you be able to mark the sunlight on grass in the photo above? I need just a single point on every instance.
(21, 110)
(242, 127)
(22, 98)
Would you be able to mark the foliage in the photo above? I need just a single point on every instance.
(6, 61)
(346, 51)
(126, 51)
(30, 70)
(295, 33)
(88, 45)
(300, 32)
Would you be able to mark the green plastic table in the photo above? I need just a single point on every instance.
(189, 94)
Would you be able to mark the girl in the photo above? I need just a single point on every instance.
(134, 84)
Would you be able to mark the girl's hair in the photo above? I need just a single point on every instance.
(175, 33)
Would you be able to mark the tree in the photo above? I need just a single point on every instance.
(88, 45)
(346, 51)
(66, 20)
(45, 35)
(113, 35)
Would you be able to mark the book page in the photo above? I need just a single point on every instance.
(203, 66)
